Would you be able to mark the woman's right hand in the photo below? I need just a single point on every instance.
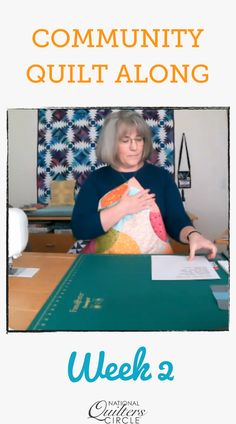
(138, 202)
(127, 205)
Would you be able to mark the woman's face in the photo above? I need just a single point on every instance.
(130, 150)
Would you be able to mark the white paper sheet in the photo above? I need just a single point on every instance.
(176, 267)
(24, 272)
(224, 264)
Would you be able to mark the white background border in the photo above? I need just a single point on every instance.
(34, 366)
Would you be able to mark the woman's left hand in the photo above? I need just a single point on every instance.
(197, 241)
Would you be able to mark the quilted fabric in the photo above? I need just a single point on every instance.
(67, 141)
(62, 193)
(143, 232)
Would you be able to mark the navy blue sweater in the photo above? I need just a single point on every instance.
(86, 223)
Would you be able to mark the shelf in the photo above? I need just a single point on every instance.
(50, 242)
(49, 218)
(43, 241)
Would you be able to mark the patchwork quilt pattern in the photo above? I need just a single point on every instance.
(142, 232)
(67, 141)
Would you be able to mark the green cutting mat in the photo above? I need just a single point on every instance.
(116, 293)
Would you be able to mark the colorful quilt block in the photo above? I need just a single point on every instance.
(142, 232)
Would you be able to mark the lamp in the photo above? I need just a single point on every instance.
(17, 235)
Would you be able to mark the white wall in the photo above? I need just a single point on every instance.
(22, 156)
(207, 137)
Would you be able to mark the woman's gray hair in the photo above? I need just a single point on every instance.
(114, 127)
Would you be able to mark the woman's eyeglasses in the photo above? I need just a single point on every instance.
(137, 139)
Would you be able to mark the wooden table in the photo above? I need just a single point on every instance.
(223, 238)
(27, 295)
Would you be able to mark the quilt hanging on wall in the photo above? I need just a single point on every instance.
(67, 141)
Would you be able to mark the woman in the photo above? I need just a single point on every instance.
(130, 205)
